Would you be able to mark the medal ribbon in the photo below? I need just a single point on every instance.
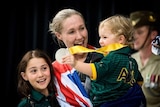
(103, 50)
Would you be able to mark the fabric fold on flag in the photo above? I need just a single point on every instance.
(70, 91)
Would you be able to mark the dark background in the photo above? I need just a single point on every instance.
(25, 27)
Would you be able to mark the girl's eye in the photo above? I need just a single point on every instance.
(33, 71)
(82, 28)
(44, 68)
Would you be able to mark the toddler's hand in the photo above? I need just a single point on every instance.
(69, 59)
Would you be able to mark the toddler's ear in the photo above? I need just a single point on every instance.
(122, 39)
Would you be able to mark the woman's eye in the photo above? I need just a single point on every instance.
(71, 32)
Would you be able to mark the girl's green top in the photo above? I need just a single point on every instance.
(36, 99)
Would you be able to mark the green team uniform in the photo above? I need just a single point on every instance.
(115, 76)
(36, 99)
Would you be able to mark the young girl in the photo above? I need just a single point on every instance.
(115, 78)
(35, 80)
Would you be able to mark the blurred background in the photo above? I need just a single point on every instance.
(25, 27)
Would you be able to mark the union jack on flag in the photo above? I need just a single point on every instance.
(70, 91)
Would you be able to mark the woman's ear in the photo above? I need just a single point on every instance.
(58, 35)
